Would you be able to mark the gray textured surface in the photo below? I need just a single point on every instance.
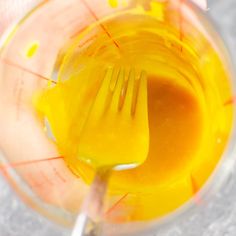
(218, 218)
(18, 220)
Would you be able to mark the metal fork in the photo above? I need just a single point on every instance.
(115, 136)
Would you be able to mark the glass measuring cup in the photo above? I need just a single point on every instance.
(31, 71)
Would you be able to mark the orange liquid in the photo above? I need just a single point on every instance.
(189, 124)
(175, 126)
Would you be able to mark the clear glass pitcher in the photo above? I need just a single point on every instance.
(29, 60)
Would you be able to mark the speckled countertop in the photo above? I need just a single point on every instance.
(217, 218)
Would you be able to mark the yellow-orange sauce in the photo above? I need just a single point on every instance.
(188, 123)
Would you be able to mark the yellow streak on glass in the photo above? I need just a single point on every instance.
(113, 3)
(32, 49)
(157, 10)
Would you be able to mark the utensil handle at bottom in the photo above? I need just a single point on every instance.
(85, 226)
(89, 222)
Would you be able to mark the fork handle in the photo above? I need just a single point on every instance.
(88, 222)
(85, 226)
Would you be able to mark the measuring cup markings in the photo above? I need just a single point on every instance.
(57, 174)
(23, 163)
(78, 32)
(116, 204)
(30, 176)
(87, 41)
(101, 25)
(46, 178)
(10, 63)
